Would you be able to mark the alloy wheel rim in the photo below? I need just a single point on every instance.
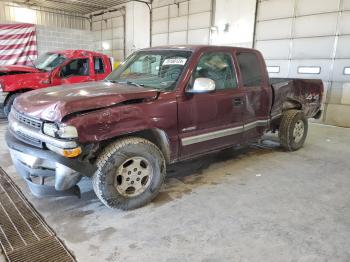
(298, 132)
(133, 177)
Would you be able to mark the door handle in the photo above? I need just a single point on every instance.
(237, 101)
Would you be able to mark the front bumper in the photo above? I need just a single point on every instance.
(34, 163)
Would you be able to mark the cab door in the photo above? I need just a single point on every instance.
(257, 91)
(210, 121)
(76, 71)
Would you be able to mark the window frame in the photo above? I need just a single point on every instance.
(262, 80)
(103, 65)
(235, 73)
(71, 61)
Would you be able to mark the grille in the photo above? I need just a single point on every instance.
(24, 236)
(27, 120)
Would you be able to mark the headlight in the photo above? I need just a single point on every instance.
(50, 129)
(65, 131)
(61, 130)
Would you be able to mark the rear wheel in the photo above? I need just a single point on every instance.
(293, 130)
(130, 173)
(8, 103)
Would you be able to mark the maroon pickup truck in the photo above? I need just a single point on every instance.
(162, 105)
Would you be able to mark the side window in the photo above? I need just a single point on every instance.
(250, 69)
(77, 67)
(99, 65)
(218, 67)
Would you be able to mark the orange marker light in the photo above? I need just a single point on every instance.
(72, 152)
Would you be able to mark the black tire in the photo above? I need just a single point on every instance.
(8, 103)
(291, 120)
(113, 158)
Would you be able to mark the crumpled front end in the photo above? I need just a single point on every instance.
(45, 177)
(46, 172)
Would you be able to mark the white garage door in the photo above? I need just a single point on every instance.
(309, 39)
(183, 22)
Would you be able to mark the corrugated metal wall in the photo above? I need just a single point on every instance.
(181, 22)
(309, 39)
(11, 13)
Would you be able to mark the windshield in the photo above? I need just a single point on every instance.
(49, 61)
(154, 69)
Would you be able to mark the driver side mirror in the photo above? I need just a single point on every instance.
(202, 85)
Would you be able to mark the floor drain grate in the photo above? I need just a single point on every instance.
(24, 236)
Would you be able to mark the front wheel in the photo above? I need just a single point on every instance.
(293, 130)
(8, 103)
(130, 173)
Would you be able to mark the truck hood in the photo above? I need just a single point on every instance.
(54, 103)
(18, 68)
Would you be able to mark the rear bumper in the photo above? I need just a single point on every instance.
(33, 164)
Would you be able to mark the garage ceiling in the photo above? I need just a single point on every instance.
(81, 7)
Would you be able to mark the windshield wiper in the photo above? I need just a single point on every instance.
(130, 83)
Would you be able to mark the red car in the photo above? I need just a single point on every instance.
(51, 69)
(161, 106)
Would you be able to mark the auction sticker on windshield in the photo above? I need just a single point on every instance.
(175, 61)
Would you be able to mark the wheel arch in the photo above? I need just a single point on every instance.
(158, 137)
(290, 104)
(154, 135)
(19, 91)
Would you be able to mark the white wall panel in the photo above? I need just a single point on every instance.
(346, 4)
(117, 43)
(274, 29)
(160, 39)
(160, 26)
(199, 20)
(324, 64)
(96, 25)
(183, 8)
(118, 32)
(198, 37)
(160, 13)
(283, 67)
(274, 9)
(316, 25)
(345, 99)
(178, 38)
(172, 19)
(199, 6)
(338, 70)
(107, 34)
(173, 10)
(274, 49)
(343, 49)
(178, 24)
(345, 23)
(306, 7)
(315, 48)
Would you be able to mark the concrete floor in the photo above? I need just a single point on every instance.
(254, 204)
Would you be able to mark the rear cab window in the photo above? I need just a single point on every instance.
(99, 66)
(250, 68)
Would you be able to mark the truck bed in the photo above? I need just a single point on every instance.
(305, 94)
